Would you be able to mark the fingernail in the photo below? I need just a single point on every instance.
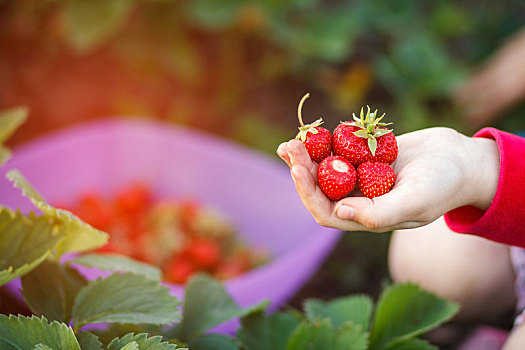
(345, 212)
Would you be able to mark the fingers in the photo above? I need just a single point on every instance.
(283, 153)
(293, 153)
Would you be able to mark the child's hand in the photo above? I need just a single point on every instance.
(437, 170)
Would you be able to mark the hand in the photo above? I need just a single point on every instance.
(437, 170)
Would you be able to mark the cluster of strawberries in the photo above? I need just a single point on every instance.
(364, 143)
(180, 236)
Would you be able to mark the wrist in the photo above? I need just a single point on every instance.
(483, 167)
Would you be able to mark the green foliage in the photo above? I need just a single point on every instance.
(50, 290)
(89, 341)
(356, 309)
(140, 342)
(267, 333)
(24, 333)
(405, 311)
(78, 236)
(25, 241)
(125, 298)
(117, 263)
(206, 305)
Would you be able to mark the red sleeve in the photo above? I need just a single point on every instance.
(504, 220)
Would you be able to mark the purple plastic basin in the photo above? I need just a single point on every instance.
(253, 190)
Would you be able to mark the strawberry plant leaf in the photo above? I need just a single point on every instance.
(79, 236)
(206, 305)
(89, 341)
(410, 344)
(140, 342)
(125, 298)
(50, 290)
(25, 241)
(355, 308)
(10, 120)
(91, 23)
(117, 263)
(41, 347)
(272, 332)
(404, 311)
(213, 342)
(26, 332)
(322, 335)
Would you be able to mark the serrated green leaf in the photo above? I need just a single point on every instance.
(206, 305)
(410, 344)
(10, 120)
(351, 337)
(117, 263)
(25, 241)
(125, 298)
(78, 236)
(404, 311)
(322, 335)
(50, 290)
(313, 336)
(41, 347)
(21, 333)
(91, 23)
(141, 341)
(272, 332)
(89, 341)
(213, 342)
(355, 308)
(131, 346)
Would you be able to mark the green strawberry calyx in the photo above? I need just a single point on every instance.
(305, 129)
(371, 127)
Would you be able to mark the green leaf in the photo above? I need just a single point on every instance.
(50, 290)
(261, 332)
(405, 311)
(207, 304)
(79, 236)
(140, 342)
(356, 309)
(91, 23)
(411, 344)
(313, 336)
(322, 335)
(117, 263)
(125, 298)
(23, 332)
(10, 120)
(25, 241)
(89, 341)
(361, 133)
(372, 145)
(213, 14)
(351, 337)
(213, 342)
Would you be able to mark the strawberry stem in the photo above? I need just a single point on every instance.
(300, 107)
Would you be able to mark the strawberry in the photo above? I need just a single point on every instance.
(204, 252)
(336, 177)
(317, 140)
(375, 179)
(365, 140)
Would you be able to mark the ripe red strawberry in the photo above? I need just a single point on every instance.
(365, 140)
(204, 252)
(375, 179)
(336, 177)
(317, 140)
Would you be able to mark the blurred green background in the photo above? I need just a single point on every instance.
(238, 68)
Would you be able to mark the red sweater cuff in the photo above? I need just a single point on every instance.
(504, 220)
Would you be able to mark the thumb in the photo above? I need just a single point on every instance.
(389, 211)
